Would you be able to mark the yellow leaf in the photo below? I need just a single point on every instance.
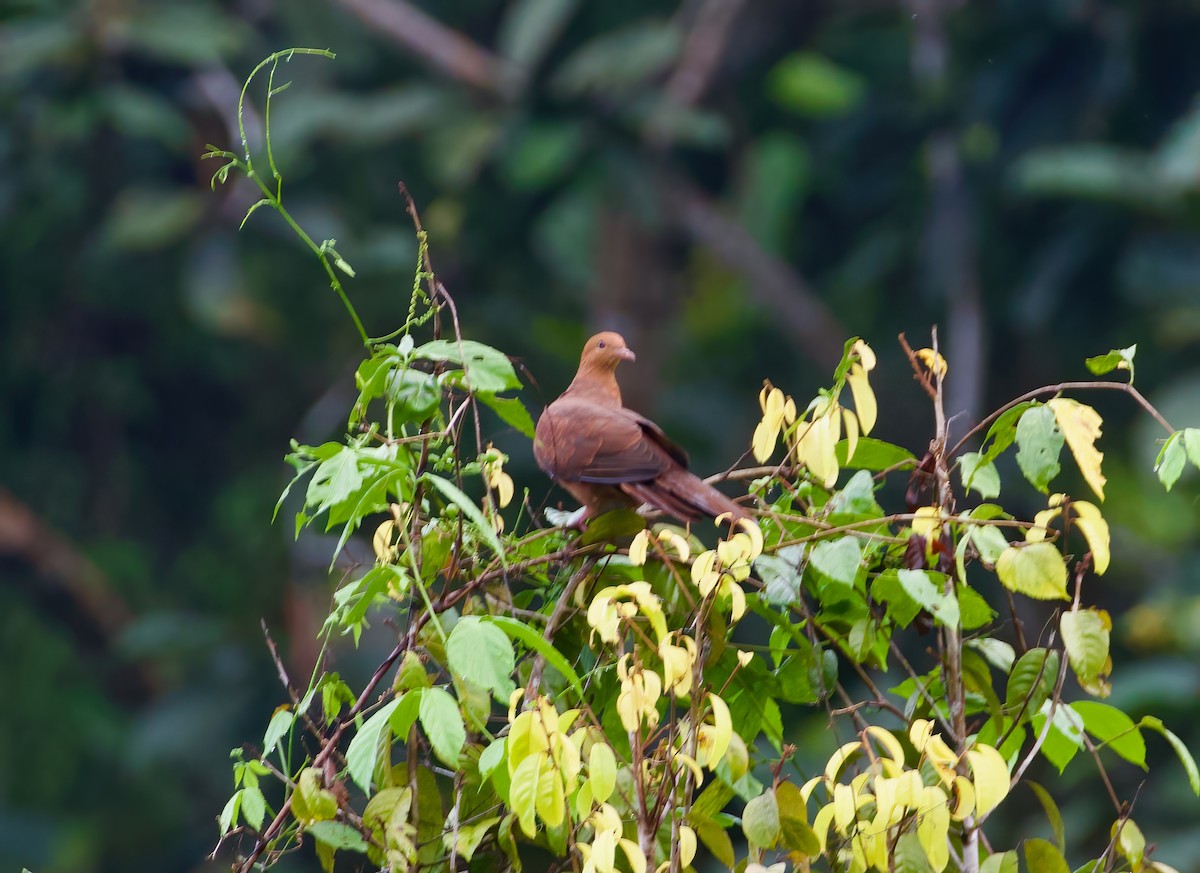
(714, 738)
(604, 850)
(762, 444)
(864, 397)
(687, 845)
(382, 542)
(964, 798)
(927, 522)
(1095, 531)
(1041, 525)
(866, 355)
(991, 777)
(1080, 425)
(888, 741)
(704, 577)
(754, 532)
(838, 759)
(851, 421)
(821, 823)
(816, 448)
(669, 537)
(844, 812)
(934, 361)
(638, 548)
(633, 853)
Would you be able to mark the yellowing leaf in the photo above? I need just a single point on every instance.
(1036, 571)
(1095, 531)
(1080, 425)
(523, 793)
(991, 777)
(602, 771)
(851, 421)
(933, 828)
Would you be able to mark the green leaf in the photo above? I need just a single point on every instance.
(511, 411)
(414, 395)
(780, 578)
(1052, 813)
(443, 724)
(484, 368)
(481, 653)
(254, 806)
(716, 839)
(1033, 676)
(1171, 460)
(1114, 729)
(1191, 441)
(338, 835)
(921, 587)
(1004, 430)
(1042, 856)
(873, 454)
(810, 84)
(794, 831)
(1185, 757)
(281, 723)
(229, 814)
(493, 756)
(611, 526)
(471, 510)
(335, 480)
(837, 562)
(989, 541)
(1039, 444)
(469, 836)
(363, 752)
(979, 475)
(1003, 862)
(1036, 570)
(526, 635)
(760, 820)
(1117, 359)
(1065, 736)
(1085, 636)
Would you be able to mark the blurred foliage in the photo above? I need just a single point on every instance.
(1024, 173)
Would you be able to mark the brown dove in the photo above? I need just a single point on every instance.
(608, 456)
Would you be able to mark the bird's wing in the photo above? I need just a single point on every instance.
(581, 441)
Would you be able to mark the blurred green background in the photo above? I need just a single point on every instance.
(738, 186)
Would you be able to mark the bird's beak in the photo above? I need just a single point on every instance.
(626, 354)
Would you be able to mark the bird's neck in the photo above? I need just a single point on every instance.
(598, 385)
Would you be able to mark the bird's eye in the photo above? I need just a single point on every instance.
(600, 344)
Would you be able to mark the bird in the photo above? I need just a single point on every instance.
(608, 457)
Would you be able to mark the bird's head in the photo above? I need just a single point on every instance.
(604, 351)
